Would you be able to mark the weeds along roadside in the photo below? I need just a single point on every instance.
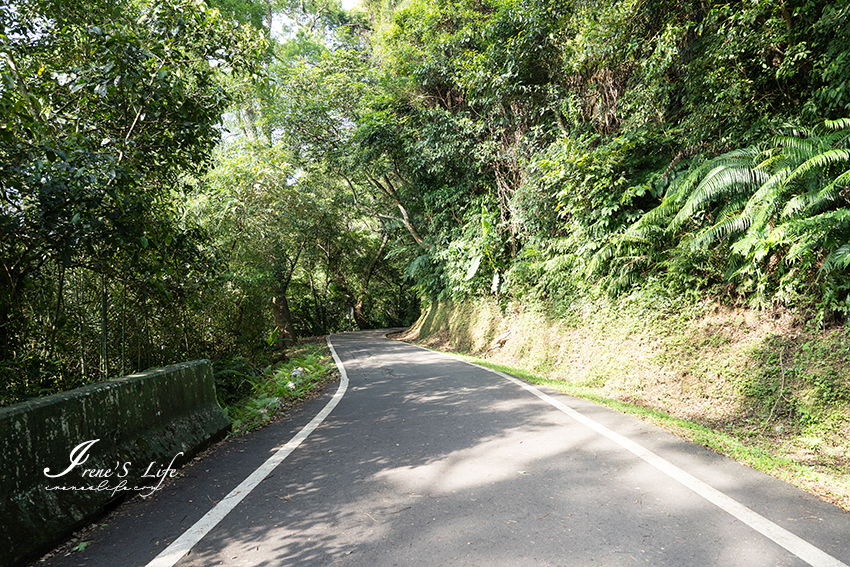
(761, 455)
(253, 398)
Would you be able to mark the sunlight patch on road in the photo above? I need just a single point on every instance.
(495, 460)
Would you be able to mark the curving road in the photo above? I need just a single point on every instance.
(427, 460)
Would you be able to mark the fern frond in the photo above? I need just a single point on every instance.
(770, 187)
(836, 139)
(838, 259)
(732, 219)
(802, 246)
(799, 203)
(720, 231)
(734, 207)
(644, 235)
(838, 124)
(600, 258)
(799, 148)
(773, 161)
(821, 161)
(738, 265)
(798, 131)
(681, 187)
(654, 218)
(624, 279)
(830, 220)
(809, 233)
(764, 206)
(812, 202)
(754, 243)
(722, 181)
(840, 181)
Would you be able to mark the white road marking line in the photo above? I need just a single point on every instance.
(181, 546)
(801, 548)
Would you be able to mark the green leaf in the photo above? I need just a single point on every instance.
(273, 336)
(473, 267)
(81, 546)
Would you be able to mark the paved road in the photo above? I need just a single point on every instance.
(427, 460)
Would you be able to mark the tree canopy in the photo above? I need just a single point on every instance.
(222, 179)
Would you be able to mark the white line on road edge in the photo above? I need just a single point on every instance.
(796, 545)
(181, 546)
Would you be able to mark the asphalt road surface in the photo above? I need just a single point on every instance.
(427, 460)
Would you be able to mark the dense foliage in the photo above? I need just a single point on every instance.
(128, 237)
(551, 148)
(105, 107)
(176, 183)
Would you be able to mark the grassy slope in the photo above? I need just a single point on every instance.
(756, 386)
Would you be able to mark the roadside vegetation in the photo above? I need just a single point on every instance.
(764, 388)
(254, 398)
(149, 211)
(665, 181)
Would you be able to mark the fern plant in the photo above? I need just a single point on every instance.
(774, 219)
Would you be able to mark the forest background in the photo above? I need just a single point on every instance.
(178, 182)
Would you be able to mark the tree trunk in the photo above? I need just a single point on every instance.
(123, 328)
(320, 312)
(12, 321)
(389, 190)
(283, 320)
(57, 313)
(80, 335)
(359, 317)
(282, 316)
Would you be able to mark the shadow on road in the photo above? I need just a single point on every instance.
(430, 461)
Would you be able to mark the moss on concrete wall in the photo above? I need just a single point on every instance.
(142, 424)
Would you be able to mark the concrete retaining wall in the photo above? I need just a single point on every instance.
(141, 423)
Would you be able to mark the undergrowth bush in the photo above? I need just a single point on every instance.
(800, 382)
(280, 386)
(234, 379)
